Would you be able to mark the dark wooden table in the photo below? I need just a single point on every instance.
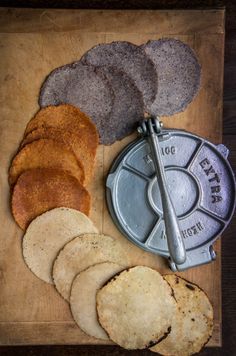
(229, 139)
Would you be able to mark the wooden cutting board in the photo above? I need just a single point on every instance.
(32, 43)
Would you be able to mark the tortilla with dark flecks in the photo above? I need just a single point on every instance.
(130, 59)
(192, 323)
(136, 307)
(178, 75)
(79, 85)
(127, 109)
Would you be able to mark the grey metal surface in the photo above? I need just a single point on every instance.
(201, 184)
(150, 128)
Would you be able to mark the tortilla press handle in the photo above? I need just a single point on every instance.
(150, 128)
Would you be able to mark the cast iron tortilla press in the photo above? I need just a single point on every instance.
(172, 193)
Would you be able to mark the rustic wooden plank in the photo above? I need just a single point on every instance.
(32, 47)
(105, 21)
(50, 332)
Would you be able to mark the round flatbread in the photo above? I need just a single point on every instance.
(65, 117)
(178, 75)
(130, 59)
(47, 234)
(83, 296)
(79, 85)
(127, 111)
(45, 153)
(192, 323)
(80, 145)
(136, 307)
(82, 252)
(39, 190)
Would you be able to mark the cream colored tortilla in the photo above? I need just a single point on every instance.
(83, 296)
(192, 323)
(47, 234)
(82, 252)
(136, 307)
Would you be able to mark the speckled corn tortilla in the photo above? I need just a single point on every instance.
(82, 252)
(130, 59)
(192, 323)
(47, 234)
(83, 296)
(127, 110)
(178, 75)
(136, 307)
(79, 85)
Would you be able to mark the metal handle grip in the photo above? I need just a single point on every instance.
(173, 233)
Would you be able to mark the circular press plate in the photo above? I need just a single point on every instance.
(200, 182)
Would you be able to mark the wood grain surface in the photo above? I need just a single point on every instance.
(32, 43)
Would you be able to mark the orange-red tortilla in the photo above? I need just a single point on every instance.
(40, 190)
(79, 145)
(45, 153)
(66, 117)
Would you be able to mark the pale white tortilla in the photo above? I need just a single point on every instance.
(136, 307)
(82, 252)
(83, 296)
(47, 234)
(193, 322)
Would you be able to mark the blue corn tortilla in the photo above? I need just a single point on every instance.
(179, 75)
(130, 59)
(127, 110)
(80, 85)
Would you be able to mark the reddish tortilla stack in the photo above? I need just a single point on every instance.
(55, 161)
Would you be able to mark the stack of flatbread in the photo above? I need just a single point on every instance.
(116, 83)
(134, 307)
(54, 164)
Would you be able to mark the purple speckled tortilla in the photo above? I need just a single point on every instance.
(80, 85)
(127, 111)
(130, 59)
(178, 75)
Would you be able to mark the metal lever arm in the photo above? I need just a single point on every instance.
(173, 233)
